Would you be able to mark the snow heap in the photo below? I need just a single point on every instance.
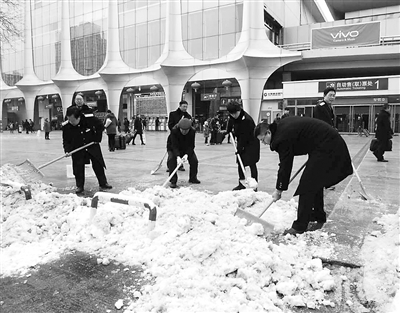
(201, 257)
(381, 279)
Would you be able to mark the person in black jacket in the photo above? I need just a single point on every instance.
(79, 131)
(181, 148)
(328, 163)
(248, 147)
(138, 129)
(323, 110)
(383, 133)
(174, 118)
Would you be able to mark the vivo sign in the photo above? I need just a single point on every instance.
(346, 35)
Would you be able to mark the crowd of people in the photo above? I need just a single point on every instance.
(328, 163)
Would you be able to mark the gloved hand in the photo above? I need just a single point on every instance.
(185, 158)
(277, 195)
(179, 160)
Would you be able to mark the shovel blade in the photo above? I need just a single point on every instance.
(29, 171)
(251, 219)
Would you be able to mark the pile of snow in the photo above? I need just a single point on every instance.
(380, 251)
(201, 257)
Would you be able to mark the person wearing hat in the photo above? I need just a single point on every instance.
(180, 149)
(323, 110)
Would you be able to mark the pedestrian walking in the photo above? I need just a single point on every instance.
(126, 125)
(111, 130)
(181, 148)
(328, 163)
(47, 129)
(206, 132)
(248, 147)
(138, 130)
(383, 133)
(157, 122)
(323, 110)
(79, 131)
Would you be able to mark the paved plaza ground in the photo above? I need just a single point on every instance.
(349, 217)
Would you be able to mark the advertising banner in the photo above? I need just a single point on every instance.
(355, 84)
(346, 35)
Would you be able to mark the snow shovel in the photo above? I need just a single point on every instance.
(24, 188)
(363, 193)
(159, 165)
(251, 219)
(249, 182)
(32, 173)
(173, 173)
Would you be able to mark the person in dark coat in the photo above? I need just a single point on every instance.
(248, 147)
(47, 129)
(181, 147)
(126, 125)
(138, 129)
(328, 163)
(383, 133)
(79, 131)
(111, 129)
(323, 110)
(174, 118)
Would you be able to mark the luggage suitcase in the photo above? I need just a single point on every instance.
(219, 138)
(120, 142)
(128, 138)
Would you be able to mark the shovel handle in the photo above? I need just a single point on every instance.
(291, 179)
(172, 174)
(66, 155)
(237, 155)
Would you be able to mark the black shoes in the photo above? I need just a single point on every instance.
(182, 169)
(194, 181)
(239, 187)
(143, 144)
(105, 186)
(173, 185)
(292, 231)
(79, 190)
(383, 160)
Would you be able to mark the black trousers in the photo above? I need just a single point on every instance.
(134, 136)
(78, 166)
(172, 163)
(253, 171)
(310, 209)
(111, 142)
(380, 150)
(46, 135)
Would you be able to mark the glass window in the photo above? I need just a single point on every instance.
(154, 54)
(227, 19)
(228, 42)
(195, 22)
(210, 5)
(141, 35)
(154, 12)
(194, 6)
(141, 15)
(195, 48)
(239, 16)
(154, 33)
(210, 23)
(141, 58)
(210, 48)
(129, 40)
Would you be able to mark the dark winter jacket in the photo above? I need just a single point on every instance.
(324, 112)
(328, 162)
(181, 144)
(46, 127)
(248, 146)
(176, 116)
(138, 126)
(88, 130)
(383, 130)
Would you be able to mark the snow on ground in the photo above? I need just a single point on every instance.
(201, 257)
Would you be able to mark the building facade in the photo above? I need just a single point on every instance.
(143, 57)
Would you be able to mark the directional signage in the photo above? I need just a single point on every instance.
(355, 84)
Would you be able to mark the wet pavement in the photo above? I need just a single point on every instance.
(350, 217)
